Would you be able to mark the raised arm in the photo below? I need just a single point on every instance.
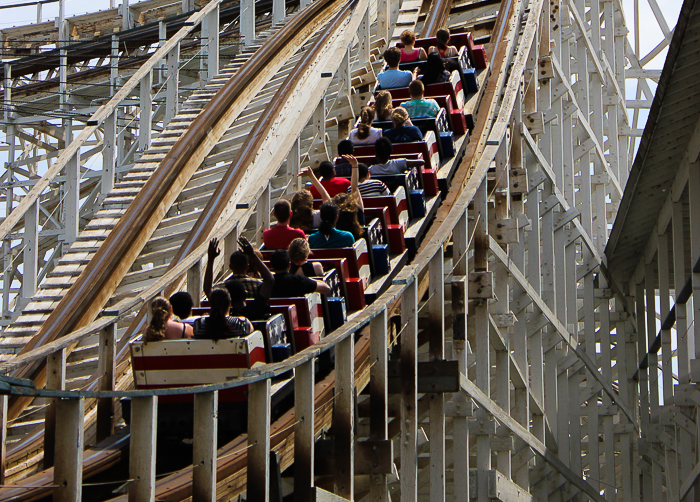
(355, 180)
(307, 171)
(212, 253)
(267, 277)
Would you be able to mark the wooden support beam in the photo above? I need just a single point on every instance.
(68, 472)
(436, 305)
(204, 455)
(56, 380)
(304, 432)
(3, 437)
(378, 424)
(142, 453)
(409, 396)
(343, 418)
(106, 368)
(259, 441)
(523, 434)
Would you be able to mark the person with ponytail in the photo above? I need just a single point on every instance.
(382, 106)
(161, 326)
(219, 324)
(328, 236)
(441, 47)
(364, 133)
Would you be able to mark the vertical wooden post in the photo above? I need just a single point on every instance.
(460, 424)
(55, 380)
(481, 319)
(304, 432)
(142, 453)
(262, 214)
(278, 11)
(319, 150)
(436, 305)
(126, 16)
(383, 26)
(3, 437)
(109, 154)
(409, 401)
(68, 472)
(364, 36)
(145, 112)
(343, 417)
(258, 479)
(31, 251)
(210, 41)
(194, 282)
(206, 421)
(378, 395)
(247, 21)
(171, 86)
(106, 371)
(114, 65)
(71, 200)
(294, 165)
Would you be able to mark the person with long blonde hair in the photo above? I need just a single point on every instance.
(161, 325)
(382, 106)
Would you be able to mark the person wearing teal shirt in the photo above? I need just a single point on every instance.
(328, 236)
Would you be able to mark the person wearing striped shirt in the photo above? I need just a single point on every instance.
(367, 186)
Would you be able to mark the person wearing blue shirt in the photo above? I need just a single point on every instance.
(328, 236)
(393, 77)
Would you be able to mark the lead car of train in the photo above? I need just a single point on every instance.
(356, 275)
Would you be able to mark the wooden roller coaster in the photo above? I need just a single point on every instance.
(495, 357)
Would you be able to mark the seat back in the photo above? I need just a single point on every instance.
(428, 147)
(397, 205)
(182, 363)
(309, 311)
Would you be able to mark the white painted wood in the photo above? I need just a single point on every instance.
(258, 486)
(247, 22)
(55, 379)
(194, 283)
(378, 488)
(106, 369)
(172, 84)
(364, 37)
(142, 454)
(109, 154)
(3, 437)
(304, 431)
(204, 456)
(145, 111)
(68, 472)
(71, 200)
(278, 11)
(210, 39)
(31, 251)
(436, 305)
(343, 418)
(409, 400)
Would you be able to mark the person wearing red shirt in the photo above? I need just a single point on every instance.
(330, 182)
(280, 235)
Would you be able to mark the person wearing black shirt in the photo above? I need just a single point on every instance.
(287, 285)
(254, 310)
(218, 324)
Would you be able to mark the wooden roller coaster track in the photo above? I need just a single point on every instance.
(506, 309)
